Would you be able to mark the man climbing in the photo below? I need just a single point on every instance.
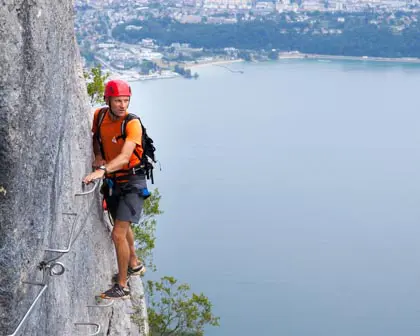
(117, 158)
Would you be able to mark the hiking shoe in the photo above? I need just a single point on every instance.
(138, 270)
(116, 292)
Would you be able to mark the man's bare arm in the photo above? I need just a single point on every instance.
(123, 158)
(115, 164)
(99, 160)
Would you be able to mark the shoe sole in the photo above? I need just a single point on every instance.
(138, 273)
(141, 272)
(114, 298)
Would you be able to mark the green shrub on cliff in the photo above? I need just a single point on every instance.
(144, 232)
(172, 310)
(95, 83)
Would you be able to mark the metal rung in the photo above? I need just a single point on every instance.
(44, 265)
(98, 327)
(95, 182)
(102, 306)
(33, 283)
(70, 243)
(31, 307)
(66, 250)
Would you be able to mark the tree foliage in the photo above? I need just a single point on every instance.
(147, 66)
(174, 311)
(144, 232)
(246, 56)
(95, 83)
(359, 34)
(182, 71)
(273, 55)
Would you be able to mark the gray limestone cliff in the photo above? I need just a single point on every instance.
(45, 150)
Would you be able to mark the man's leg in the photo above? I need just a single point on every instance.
(122, 248)
(133, 256)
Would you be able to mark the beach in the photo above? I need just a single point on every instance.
(165, 74)
(297, 55)
(212, 62)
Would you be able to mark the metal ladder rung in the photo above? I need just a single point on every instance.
(31, 307)
(98, 327)
(95, 182)
(101, 306)
(70, 243)
(44, 265)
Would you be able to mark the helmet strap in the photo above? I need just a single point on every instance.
(108, 102)
(112, 113)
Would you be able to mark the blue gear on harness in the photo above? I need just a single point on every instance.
(114, 190)
(145, 193)
(110, 185)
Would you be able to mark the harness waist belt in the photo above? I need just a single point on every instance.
(128, 172)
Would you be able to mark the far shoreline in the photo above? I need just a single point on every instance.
(294, 55)
(297, 55)
(210, 63)
(304, 56)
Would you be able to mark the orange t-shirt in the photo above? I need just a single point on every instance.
(110, 131)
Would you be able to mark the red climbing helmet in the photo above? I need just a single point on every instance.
(117, 87)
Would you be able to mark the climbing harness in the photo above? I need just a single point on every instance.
(112, 193)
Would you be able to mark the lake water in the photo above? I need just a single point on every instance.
(291, 194)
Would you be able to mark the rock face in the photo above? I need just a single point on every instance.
(45, 150)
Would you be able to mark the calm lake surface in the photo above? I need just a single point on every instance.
(291, 194)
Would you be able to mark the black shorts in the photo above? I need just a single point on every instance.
(125, 201)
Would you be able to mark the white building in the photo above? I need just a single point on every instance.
(242, 4)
